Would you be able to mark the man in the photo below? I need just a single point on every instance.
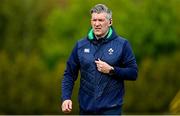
(105, 60)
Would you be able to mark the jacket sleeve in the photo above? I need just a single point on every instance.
(129, 71)
(70, 74)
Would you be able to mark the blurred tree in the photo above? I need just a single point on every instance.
(27, 87)
(175, 104)
(156, 86)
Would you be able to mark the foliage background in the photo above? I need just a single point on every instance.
(37, 36)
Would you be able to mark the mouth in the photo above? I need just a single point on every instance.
(97, 29)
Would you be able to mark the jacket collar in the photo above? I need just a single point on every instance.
(91, 34)
(111, 35)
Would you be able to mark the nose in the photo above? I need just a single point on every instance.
(96, 23)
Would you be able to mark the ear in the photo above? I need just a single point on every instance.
(110, 22)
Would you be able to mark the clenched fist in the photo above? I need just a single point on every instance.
(67, 106)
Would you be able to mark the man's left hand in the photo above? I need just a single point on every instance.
(103, 66)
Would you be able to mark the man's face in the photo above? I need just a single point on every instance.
(100, 23)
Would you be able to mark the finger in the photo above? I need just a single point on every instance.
(64, 108)
(98, 66)
(97, 62)
(99, 69)
(70, 105)
(67, 106)
(66, 111)
(100, 62)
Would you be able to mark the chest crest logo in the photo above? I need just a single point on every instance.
(110, 51)
(86, 50)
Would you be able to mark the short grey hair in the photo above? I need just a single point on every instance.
(100, 8)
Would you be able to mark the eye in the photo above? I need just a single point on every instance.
(101, 20)
(93, 20)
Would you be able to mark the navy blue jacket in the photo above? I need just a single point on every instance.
(97, 90)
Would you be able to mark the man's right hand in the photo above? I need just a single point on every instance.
(66, 106)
